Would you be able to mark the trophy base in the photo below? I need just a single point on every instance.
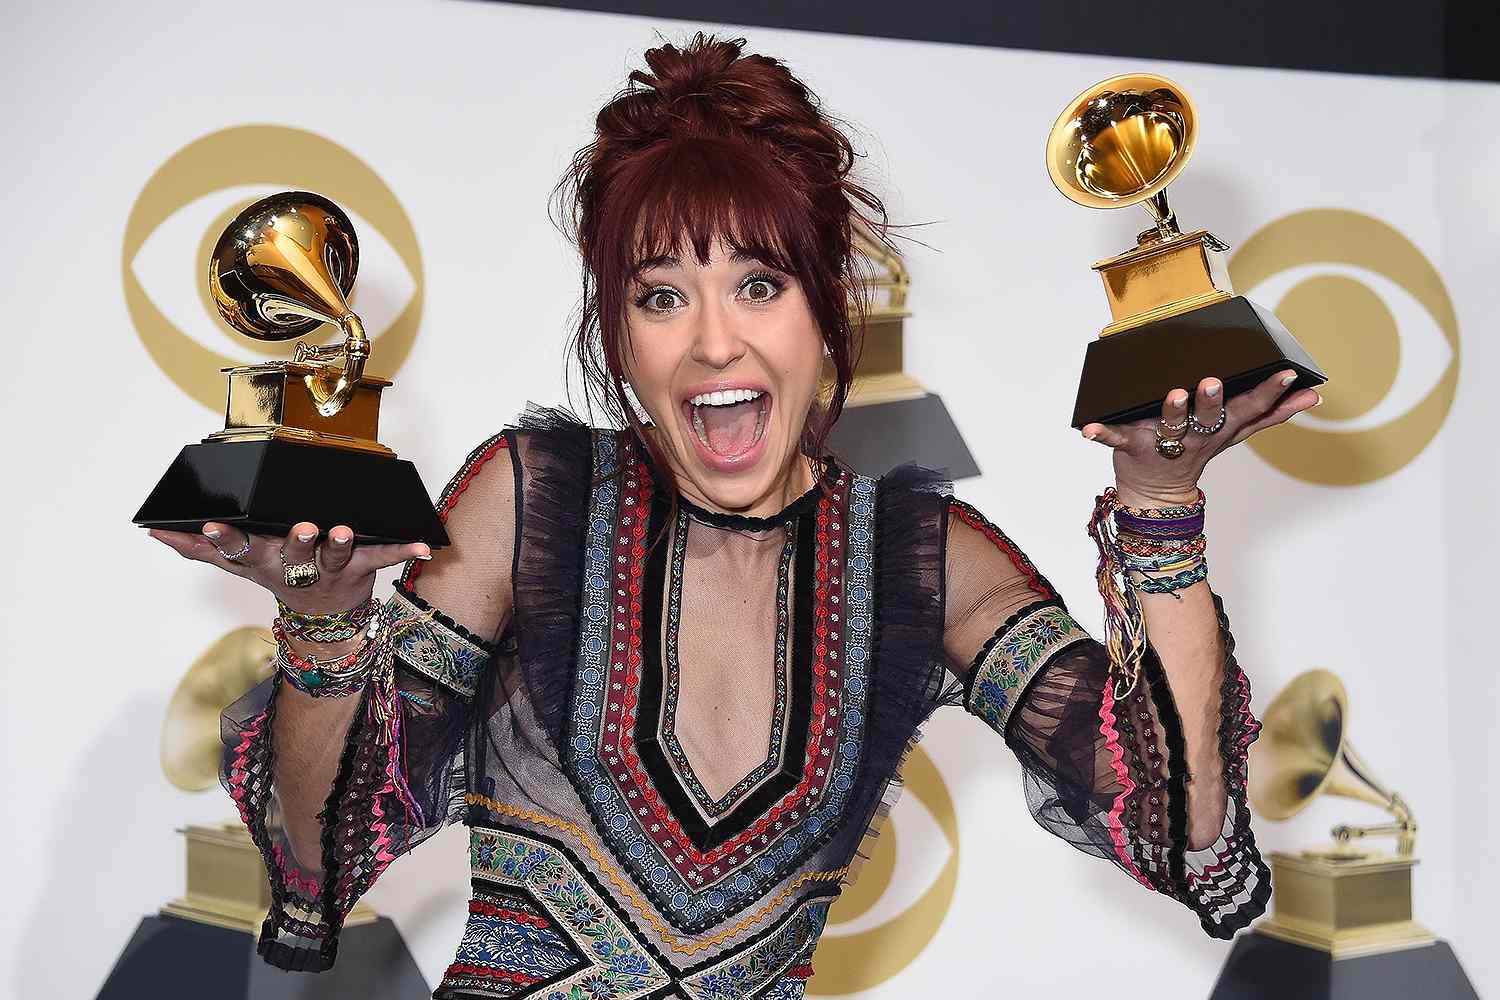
(1260, 966)
(1127, 375)
(170, 958)
(265, 487)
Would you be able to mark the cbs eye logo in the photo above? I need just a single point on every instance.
(194, 195)
(878, 926)
(1373, 310)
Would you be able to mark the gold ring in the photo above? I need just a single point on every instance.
(303, 574)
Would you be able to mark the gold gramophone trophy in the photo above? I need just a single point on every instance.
(1175, 319)
(299, 438)
(1342, 915)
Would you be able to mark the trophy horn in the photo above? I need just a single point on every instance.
(1121, 142)
(284, 266)
(190, 745)
(1304, 751)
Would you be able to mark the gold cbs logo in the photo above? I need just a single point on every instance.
(1344, 321)
(848, 962)
(258, 155)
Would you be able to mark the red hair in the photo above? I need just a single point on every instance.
(712, 144)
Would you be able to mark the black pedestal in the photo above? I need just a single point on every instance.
(174, 959)
(265, 487)
(873, 439)
(1127, 375)
(1261, 967)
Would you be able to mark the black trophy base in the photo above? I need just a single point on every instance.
(876, 437)
(170, 958)
(265, 487)
(1260, 966)
(1126, 376)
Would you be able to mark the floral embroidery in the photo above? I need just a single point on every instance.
(770, 958)
(432, 647)
(615, 964)
(1020, 647)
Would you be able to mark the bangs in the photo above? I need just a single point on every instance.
(690, 193)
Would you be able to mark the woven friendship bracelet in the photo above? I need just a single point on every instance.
(331, 677)
(1174, 583)
(328, 626)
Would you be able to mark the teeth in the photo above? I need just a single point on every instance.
(725, 397)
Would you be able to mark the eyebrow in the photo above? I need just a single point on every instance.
(671, 260)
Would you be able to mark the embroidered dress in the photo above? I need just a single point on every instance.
(670, 730)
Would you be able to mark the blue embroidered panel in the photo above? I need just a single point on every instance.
(743, 878)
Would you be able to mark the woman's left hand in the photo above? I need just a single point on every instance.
(1144, 477)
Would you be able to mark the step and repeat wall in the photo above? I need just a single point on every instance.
(1361, 539)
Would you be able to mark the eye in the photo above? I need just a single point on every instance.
(760, 288)
(1371, 308)
(896, 906)
(660, 300)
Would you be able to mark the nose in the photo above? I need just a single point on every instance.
(717, 342)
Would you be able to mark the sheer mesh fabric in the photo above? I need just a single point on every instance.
(1110, 777)
(307, 772)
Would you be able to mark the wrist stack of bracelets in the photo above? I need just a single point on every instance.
(337, 675)
(1152, 550)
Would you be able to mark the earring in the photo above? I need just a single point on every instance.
(635, 405)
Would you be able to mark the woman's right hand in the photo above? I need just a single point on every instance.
(346, 572)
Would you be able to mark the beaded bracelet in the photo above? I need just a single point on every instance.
(327, 678)
(324, 627)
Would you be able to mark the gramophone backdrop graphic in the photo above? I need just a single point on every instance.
(1341, 925)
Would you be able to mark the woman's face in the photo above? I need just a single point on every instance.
(725, 358)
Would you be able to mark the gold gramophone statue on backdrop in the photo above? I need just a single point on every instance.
(890, 417)
(202, 943)
(1175, 319)
(1342, 922)
(299, 438)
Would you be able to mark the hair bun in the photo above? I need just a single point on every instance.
(691, 71)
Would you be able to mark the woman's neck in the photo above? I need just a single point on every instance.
(795, 479)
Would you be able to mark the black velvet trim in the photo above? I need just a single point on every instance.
(708, 835)
(972, 670)
(552, 514)
(740, 522)
(443, 619)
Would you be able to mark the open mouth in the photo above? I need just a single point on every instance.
(728, 423)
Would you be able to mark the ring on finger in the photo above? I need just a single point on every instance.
(303, 574)
(1169, 447)
(1218, 425)
(1177, 428)
(235, 557)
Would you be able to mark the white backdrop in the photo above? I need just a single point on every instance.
(468, 113)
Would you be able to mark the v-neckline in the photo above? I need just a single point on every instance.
(711, 831)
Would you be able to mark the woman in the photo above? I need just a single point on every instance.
(666, 674)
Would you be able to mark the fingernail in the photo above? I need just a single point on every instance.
(425, 558)
(338, 539)
(1320, 400)
(1213, 391)
(1089, 435)
(1289, 379)
(212, 532)
(306, 536)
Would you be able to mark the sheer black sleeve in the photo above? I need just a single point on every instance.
(399, 743)
(1108, 776)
